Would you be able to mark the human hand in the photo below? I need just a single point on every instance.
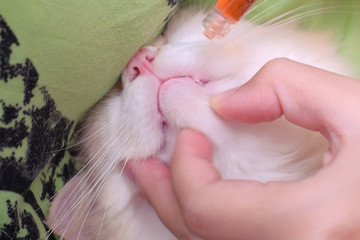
(195, 203)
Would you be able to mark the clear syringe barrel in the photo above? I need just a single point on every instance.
(223, 16)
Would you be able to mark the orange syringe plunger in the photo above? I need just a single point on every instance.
(223, 16)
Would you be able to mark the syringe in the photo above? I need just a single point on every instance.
(223, 16)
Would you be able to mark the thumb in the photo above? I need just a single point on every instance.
(255, 101)
(309, 97)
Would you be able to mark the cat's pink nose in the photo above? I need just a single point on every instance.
(140, 63)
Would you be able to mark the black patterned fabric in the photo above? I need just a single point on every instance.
(29, 133)
(37, 120)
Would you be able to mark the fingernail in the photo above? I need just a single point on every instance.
(216, 99)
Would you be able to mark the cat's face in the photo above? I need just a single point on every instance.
(167, 86)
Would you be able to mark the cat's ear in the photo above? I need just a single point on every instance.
(69, 209)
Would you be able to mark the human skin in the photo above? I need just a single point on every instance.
(194, 202)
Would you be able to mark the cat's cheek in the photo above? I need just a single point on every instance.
(143, 122)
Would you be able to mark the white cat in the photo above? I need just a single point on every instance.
(167, 87)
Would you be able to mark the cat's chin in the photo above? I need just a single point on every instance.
(168, 104)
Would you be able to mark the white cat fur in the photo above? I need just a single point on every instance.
(104, 204)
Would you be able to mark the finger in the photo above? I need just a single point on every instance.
(153, 178)
(213, 208)
(307, 96)
(192, 155)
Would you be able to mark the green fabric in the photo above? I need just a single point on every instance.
(84, 43)
(58, 58)
(342, 18)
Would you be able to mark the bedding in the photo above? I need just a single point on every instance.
(57, 59)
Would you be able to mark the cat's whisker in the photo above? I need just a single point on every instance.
(265, 13)
(292, 12)
(100, 179)
(87, 175)
(94, 157)
(93, 198)
(301, 9)
(84, 195)
(260, 17)
(5, 233)
(97, 193)
(256, 6)
(304, 15)
(107, 172)
(285, 20)
(85, 138)
(116, 163)
(108, 202)
(102, 221)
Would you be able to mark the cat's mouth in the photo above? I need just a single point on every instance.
(162, 115)
(165, 122)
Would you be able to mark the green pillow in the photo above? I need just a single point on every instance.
(57, 59)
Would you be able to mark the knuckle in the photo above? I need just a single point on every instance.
(277, 71)
(276, 66)
(278, 63)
